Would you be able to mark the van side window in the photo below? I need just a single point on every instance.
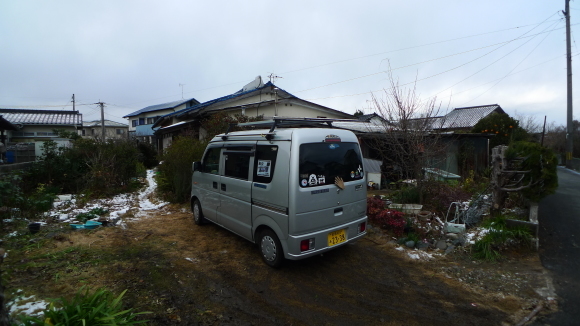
(264, 163)
(211, 161)
(237, 162)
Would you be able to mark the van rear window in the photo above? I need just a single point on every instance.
(321, 163)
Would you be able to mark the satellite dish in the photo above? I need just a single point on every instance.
(256, 83)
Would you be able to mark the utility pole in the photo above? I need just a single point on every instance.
(102, 105)
(569, 126)
(73, 100)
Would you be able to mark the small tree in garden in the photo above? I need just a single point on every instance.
(524, 167)
(407, 141)
(505, 128)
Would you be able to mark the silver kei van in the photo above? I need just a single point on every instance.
(294, 191)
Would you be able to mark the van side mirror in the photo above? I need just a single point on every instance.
(196, 166)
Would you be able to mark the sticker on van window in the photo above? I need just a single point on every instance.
(304, 182)
(312, 180)
(333, 146)
(264, 167)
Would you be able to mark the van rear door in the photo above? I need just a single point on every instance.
(320, 204)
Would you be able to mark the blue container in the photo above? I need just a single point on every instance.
(10, 157)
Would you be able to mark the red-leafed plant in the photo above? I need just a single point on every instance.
(386, 218)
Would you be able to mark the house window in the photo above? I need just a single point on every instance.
(134, 123)
(141, 121)
(92, 132)
(150, 121)
(119, 131)
(42, 133)
(83, 133)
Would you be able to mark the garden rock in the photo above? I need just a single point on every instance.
(422, 246)
(441, 244)
(449, 249)
(410, 244)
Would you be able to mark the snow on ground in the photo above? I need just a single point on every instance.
(26, 305)
(66, 211)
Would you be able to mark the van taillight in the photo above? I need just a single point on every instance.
(362, 227)
(307, 244)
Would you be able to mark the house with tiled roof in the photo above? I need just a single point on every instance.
(141, 121)
(254, 99)
(34, 127)
(113, 129)
(464, 119)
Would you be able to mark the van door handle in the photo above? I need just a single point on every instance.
(215, 185)
(223, 187)
(338, 211)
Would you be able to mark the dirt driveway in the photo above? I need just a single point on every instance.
(188, 275)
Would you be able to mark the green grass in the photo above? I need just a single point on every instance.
(499, 237)
(85, 308)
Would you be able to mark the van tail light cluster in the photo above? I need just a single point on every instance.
(307, 244)
(362, 227)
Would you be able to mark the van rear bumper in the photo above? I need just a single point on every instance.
(321, 240)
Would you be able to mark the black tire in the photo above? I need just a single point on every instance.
(197, 213)
(270, 248)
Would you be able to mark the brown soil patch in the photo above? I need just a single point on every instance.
(187, 274)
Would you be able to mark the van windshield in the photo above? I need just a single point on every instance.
(321, 163)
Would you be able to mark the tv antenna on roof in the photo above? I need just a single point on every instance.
(181, 85)
(273, 77)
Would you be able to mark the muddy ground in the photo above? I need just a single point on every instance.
(204, 275)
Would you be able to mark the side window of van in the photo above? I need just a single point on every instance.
(211, 161)
(237, 162)
(264, 163)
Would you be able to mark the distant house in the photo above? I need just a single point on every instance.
(34, 127)
(113, 129)
(254, 99)
(141, 121)
(464, 119)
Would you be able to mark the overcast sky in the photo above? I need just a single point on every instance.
(132, 54)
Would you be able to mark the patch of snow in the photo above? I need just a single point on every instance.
(117, 206)
(419, 255)
(27, 305)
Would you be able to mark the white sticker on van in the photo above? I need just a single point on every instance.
(264, 168)
(304, 182)
(312, 180)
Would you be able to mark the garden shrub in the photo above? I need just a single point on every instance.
(174, 179)
(389, 219)
(542, 163)
(440, 195)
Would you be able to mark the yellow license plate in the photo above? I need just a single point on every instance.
(336, 237)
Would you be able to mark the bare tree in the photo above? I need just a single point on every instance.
(529, 123)
(407, 139)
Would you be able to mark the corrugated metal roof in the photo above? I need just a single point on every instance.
(163, 106)
(372, 166)
(108, 123)
(466, 117)
(42, 117)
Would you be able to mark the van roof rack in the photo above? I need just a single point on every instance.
(291, 122)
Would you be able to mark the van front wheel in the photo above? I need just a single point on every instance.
(271, 249)
(197, 213)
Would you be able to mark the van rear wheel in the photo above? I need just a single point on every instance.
(197, 213)
(271, 248)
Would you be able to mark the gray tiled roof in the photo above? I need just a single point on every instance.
(108, 123)
(42, 117)
(163, 106)
(466, 117)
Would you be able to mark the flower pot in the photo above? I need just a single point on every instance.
(34, 227)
